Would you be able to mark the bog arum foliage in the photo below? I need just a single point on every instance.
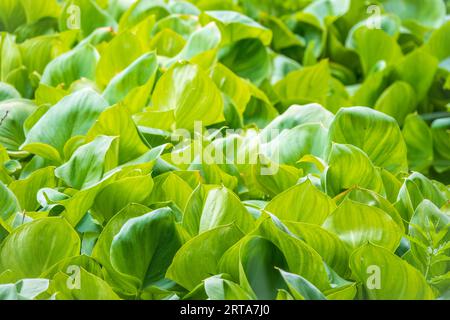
(244, 149)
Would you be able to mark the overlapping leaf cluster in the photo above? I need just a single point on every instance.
(93, 205)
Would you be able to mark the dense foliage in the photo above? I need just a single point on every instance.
(332, 183)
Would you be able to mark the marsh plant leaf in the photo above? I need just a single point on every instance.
(9, 204)
(222, 207)
(209, 247)
(26, 289)
(217, 288)
(378, 269)
(7, 92)
(78, 111)
(356, 224)
(327, 244)
(306, 85)
(302, 203)
(133, 82)
(430, 232)
(175, 91)
(146, 260)
(30, 258)
(235, 26)
(377, 134)
(88, 164)
(419, 143)
(14, 113)
(71, 66)
(119, 54)
(116, 121)
(115, 196)
(93, 288)
(26, 189)
(349, 166)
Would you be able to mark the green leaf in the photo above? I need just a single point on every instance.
(356, 224)
(235, 26)
(328, 245)
(222, 207)
(89, 163)
(430, 14)
(183, 24)
(101, 251)
(29, 258)
(194, 207)
(71, 66)
(233, 86)
(43, 26)
(167, 43)
(170, 187)
(217, 288)
(347, 292)
(193, 96)
(253, 261)
(8, 92)
(349, 166)
(377, 134)
(46, 95)
(116, 196)
(88, 13)
(25, 289)
(430, 229)
(414, 190)
(248, 58)
(300, 288)
(115, 57)
(438, 44)
(38, 52)
(141, 10)
(282, 66)
(27, 189)
(91, 287)
(282, 37)
(13, 114)
(12, 14)
(374, 47)
(208, 248)
(306, 85)
(418, 69)
(378, 270)
(399, 93)
(10, 56)
(419, 142)
(136, 80)
(20, 79)
(9, 203)
(294, 250)
(68, 265)
(280, 177)
(302, 203)
(145, 246)
(77, 111)
(441, 145)
(289, 146)
(200, 45)
(206, 149)
(372, 199)
(297, 115)
(116, 122)
(34, 10)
